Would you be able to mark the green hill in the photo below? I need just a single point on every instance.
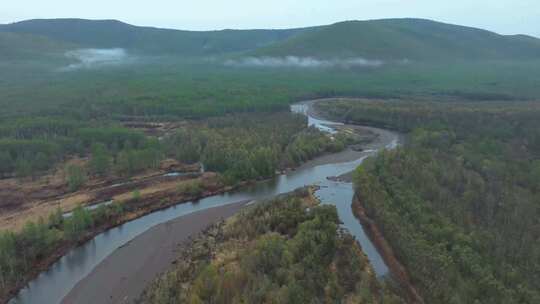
(388, 39)
(15, 46)
(415, 39)
(116, 34)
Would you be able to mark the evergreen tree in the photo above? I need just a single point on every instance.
(100, 160)
(75, 177)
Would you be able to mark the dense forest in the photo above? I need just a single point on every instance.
(241, 147)
(460, 202)
(238, 147)
(252, 146)
(172, 87)
(285, 250)
(73, 111)
(30, 146)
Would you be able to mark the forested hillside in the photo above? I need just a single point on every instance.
(162, 72)
(286, 250)
(460, 202)
(115, 34)
(15, 46)
(388, 39)
(398, 39)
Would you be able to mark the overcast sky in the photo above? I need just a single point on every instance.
(502, 16)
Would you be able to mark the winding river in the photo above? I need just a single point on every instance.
(53, 285)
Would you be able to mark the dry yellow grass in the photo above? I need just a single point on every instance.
(31, 211)
(16, 220)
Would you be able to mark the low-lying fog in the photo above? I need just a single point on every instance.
(103, 58)
(303, 62)
(95, 58)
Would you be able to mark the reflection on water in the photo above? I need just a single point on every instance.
(321, 124)
(51, 286)
(341, 195)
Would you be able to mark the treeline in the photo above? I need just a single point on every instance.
(503, 120)
(29, 147)
(20, 252)
(240, 146)
(460, 202)
(244, 147)
(282, 251)
(190, 88)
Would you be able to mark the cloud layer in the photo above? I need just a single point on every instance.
(302, 62)
(93, 58)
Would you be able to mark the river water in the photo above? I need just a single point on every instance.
(53, 285)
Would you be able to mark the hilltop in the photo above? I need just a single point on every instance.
(396, 39)
(116, 34)
(387, 39)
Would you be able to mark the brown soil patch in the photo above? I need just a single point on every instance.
(23, 200)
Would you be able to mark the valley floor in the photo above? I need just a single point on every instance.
(123, 275)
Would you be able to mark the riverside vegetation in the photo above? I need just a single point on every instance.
(284, 250)
(461, 199)
(239, 148)
(29, 147)
(460, 202)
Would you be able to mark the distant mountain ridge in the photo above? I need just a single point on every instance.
(116, 34)
(386, 39)
(15, 46)
(417, 39)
